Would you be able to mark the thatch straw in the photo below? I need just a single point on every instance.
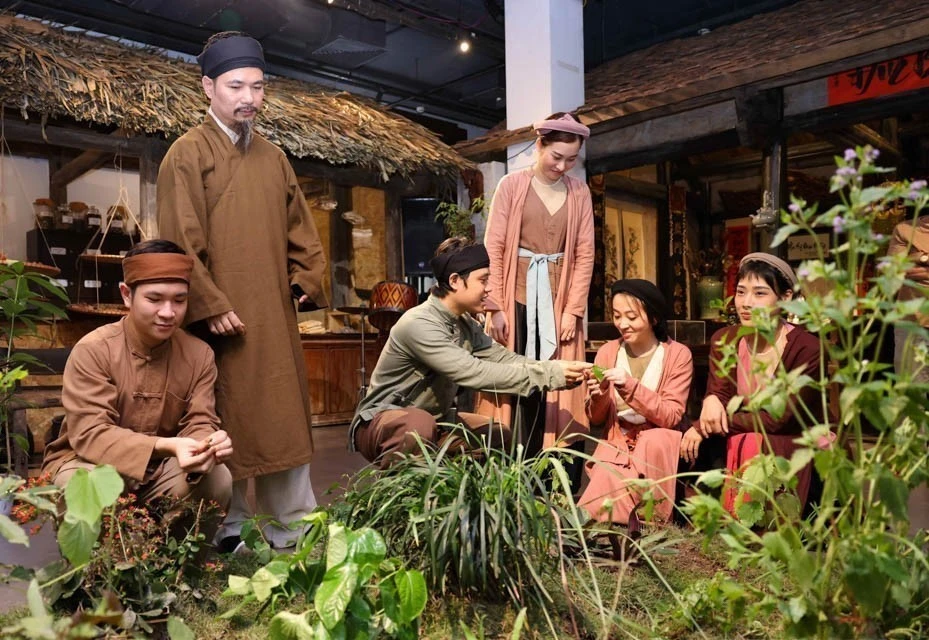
(57, 73)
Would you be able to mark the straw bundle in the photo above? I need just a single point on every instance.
(57, 72)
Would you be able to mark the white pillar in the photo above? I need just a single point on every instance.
(493, 172)
(544, 67)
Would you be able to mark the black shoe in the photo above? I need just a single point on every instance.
(231, 544)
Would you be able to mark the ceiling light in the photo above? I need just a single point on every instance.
(464, 44)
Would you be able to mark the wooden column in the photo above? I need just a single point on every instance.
(774, 177)
(667, 278)
(340, 249)
(57, 191)
(153, 152)
(393, 236)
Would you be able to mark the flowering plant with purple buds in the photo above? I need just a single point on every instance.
(851, 569)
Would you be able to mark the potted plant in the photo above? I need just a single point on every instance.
(25, 301)
(459, 221)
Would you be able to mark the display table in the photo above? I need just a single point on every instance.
(333, 364)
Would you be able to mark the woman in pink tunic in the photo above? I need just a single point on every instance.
(763, 281)
(540, 238)
(640, 403)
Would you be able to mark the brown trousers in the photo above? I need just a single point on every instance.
(168, 479)
(392, 432)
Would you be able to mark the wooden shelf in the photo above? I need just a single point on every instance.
(103, 258)
(98, 310)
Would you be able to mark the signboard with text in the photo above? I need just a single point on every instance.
(904, 73)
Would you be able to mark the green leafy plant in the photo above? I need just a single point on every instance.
(485, 523)
(87, 497)
(851, 570)
(458, 220)
(124, 564)
(356, 591)
(24, 303)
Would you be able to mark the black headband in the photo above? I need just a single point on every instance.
(462, 261)
(644, 291)
(234, 52)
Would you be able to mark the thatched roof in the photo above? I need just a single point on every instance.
(57, 72)
(767, 47)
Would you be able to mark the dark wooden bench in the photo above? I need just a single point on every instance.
(40, 390)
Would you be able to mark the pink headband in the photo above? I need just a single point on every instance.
(565, 123)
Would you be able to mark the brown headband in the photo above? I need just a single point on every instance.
(148, 267)
(773, 261)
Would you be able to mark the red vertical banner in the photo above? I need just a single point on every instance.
(904, 73)
(677, 208)
(738, 241)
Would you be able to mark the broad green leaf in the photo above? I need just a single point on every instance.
(901, 595)
(12, 532)
(789, 505)
(872, 194)
(777, 546)
(337, 549)
(360, 607)
(54, 288)
(87, 494)
(367, 547)
(265, 580)
(713, 478)
(867, 584)
(411, 595)
(178, 629)
(783, 233)
(34, 598)
(750, 512)
(894, 494)
(335, 592)
(796, 608)
(290, 626)
(77, 538)
(802, 569)
(239, 586)
(733, 405)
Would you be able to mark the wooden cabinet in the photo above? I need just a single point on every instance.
(333, 369)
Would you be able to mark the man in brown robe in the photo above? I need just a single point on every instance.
(231, 199)
(138, 393)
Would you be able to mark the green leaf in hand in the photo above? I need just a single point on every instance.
(597, 371)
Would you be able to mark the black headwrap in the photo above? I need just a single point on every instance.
(234, 52)
(462, 262)
(654, 301)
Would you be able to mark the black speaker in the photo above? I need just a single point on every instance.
(421, 234)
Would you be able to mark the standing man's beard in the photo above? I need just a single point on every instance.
(243, 129)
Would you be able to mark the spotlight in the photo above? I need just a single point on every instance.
(330, 1)
(464, 44)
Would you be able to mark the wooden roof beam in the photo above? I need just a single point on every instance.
(860, 135)
(87, 161)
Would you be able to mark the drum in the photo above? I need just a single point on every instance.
(388, 302)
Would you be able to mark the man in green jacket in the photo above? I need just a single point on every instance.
(438, 347)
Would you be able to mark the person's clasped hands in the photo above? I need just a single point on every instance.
(197, 456)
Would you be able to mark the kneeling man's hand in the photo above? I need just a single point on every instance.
(219, 444)
(191, 455)
(575, 372)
